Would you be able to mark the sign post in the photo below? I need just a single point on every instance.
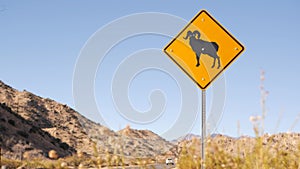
(203, 129)
(203, 50)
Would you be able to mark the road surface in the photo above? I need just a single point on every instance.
(151, 166)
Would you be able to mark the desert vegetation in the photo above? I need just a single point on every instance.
(262, 152)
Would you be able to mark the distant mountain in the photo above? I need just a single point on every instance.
(36, 125)
(190, 136)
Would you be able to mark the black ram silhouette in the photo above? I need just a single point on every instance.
(200, 46)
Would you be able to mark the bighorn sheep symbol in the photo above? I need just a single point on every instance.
(200, 46)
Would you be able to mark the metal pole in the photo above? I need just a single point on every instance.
(203, 131)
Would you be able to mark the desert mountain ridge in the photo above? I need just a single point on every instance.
(31, 126)
(34, 125)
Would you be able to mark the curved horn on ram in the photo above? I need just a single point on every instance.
(189, 33)
(197, 33)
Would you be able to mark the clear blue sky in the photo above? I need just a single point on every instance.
(40, 42)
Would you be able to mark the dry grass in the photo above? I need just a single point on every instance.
(261, 155)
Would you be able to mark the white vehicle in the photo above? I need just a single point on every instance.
(169, 161)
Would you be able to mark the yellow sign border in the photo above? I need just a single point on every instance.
(224, 68)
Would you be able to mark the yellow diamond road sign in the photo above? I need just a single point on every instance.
(204, 49)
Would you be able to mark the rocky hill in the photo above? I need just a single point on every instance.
(36, 124)
(18, 135)
(136, 139)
